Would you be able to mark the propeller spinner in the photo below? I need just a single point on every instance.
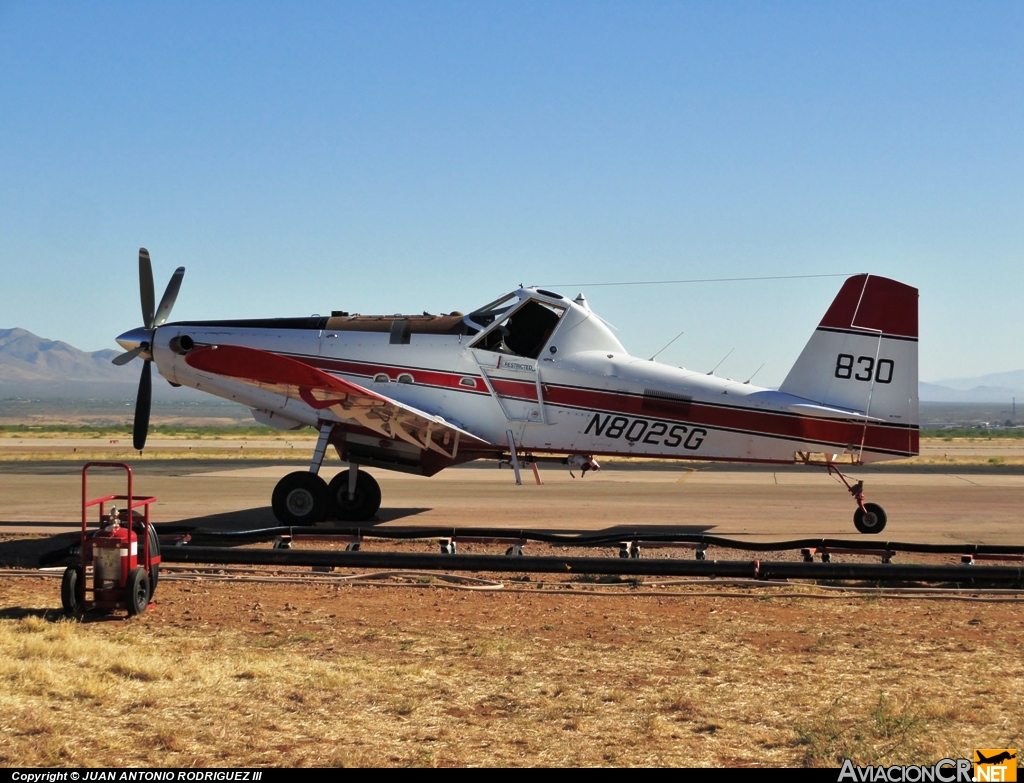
(138, 342)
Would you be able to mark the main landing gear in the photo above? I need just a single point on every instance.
(869, 517)
(303, 498)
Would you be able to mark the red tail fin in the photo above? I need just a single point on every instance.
(863, 355)
(877, 304)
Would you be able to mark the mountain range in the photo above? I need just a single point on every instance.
(26, 357)
(32, 366)
(41, 367)
(994, 387)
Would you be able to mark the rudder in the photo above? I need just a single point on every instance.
(863, 355)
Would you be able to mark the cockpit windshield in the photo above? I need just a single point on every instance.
(485, 316)
(522, 332)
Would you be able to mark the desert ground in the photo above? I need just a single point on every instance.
(284, 667)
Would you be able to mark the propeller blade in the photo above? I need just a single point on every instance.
(142, 405)
(146, 287)
(124, 358)
(163, 312)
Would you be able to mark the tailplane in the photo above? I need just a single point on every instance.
(863, 355)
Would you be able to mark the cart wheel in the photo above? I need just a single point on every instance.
(154, 554)
(72, 591)
(137, 591)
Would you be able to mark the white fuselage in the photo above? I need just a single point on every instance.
(583, 394)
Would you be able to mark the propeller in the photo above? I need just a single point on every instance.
(139, 342)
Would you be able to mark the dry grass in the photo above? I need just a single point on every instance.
(205, 432)
(219, 451)
(223, 444)
(292, 675)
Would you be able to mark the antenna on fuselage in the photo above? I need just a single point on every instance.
(720, 363)
(668, 344)
(748, 380)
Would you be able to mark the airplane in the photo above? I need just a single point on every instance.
(532, 377)
(996, 759)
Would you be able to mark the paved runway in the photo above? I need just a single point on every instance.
(973, 505)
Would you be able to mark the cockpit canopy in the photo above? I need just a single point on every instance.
(524, 322)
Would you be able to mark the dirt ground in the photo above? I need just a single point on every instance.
(293, 668)
(417, 673)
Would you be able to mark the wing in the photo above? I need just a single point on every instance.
(322, 391)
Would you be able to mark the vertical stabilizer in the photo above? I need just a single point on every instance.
(863, 355)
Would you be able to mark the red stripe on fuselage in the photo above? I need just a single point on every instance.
(420, 375)
(888, 438)
(519, 390)
(756, 422)
(444, 380)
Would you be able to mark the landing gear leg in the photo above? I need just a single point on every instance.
(353, 481)
(869, 518)
(321, 447)
(300, 498)
(515, 457)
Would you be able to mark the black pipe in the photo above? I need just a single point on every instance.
(428, 562)
(880, 572)
(871, 572)
(234, 538)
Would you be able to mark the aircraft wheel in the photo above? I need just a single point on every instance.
(365, 501)
(300, 498)
(72, 591)
(137, 591)
(871, 522)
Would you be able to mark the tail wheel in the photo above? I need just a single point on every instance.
(137, 591)
(365, 500)
(870, 519)
(300, 498)
(72, 591)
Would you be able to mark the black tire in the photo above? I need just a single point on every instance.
(300, 498)
(154, 553)
(154, 543)
(365, 501)
(137, 591)
(72, 591)
(872, 522)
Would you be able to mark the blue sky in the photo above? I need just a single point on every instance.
(401, 157)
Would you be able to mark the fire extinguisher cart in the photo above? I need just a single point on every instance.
(120, 559)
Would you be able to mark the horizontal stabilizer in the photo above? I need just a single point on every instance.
(826, 412)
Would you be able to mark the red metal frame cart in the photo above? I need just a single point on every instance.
(112, 573)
